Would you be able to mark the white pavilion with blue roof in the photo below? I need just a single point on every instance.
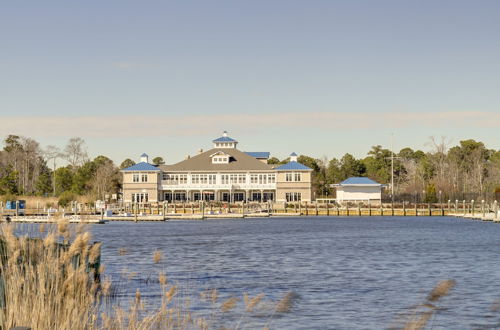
(359, 189)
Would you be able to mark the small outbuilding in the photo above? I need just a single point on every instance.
(359, 189)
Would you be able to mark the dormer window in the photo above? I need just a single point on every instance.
(220, 158)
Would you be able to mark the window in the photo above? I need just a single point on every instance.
(254, 178)
(140, 198)
(225, 178)
(135, 178)
(220, 160)
(297, 177)
(212, 179)
(195, 179)
(144, 178)
(183, 178)
(262, 178)
(271, 178)
(293, 197)
(293, 176)
(242, 178)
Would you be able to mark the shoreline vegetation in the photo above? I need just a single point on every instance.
(466, 171)
(44, 289)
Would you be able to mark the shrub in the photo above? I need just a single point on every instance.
(65, 198)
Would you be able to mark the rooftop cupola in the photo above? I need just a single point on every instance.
(225, 142)
(144, 158)
(293, 157)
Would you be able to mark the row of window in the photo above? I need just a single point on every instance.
(226, 197)
(220, 160)
(203, 179)
(140, 198)
(224, 144)
(141, 177)
(293, 177)
(293, 197)
(211, 179)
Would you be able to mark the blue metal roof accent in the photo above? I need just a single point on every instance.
(359, 180)
(294, 166)
(142, 167)
(258, 154)
(144, 155)
(293, 154)
(224, 139)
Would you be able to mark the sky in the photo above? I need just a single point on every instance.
(320, 78)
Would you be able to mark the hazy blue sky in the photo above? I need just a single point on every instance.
(317, 77)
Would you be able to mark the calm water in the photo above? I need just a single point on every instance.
(347, 273)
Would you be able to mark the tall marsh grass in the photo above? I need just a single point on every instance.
(45, 289)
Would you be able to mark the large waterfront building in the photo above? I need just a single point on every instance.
(222, 173)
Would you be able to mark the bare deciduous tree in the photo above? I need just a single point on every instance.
(75, 152)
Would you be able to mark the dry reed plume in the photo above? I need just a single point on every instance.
(157, 256)
(46, 289)
(285, 304)
(424, 312)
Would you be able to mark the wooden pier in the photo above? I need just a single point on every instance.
(204, 210)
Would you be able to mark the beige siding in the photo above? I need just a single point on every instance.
(303, 186)
(150, 187)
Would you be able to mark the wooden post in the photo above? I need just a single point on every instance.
(327, 209)
(404, 209)
(316, 206)
(430, 210)
(164, 211)
(392, 209)
(307, 210)
(338, 210)
(416, 207)
(184, 207)
(381, 209)
(369, 208)
(202, 209)
(495, 209)
(359, 209)
(483, 209)
(472, 207)
(135, 208)
(465, 212)
(295, 207)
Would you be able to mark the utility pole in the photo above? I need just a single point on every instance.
(392, 168)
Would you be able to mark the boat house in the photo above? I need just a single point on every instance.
(359, 189)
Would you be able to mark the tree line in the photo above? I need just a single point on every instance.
(468, 170)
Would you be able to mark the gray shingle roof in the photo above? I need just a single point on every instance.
(239, 161)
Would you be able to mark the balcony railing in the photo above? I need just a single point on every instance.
(167, 185)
